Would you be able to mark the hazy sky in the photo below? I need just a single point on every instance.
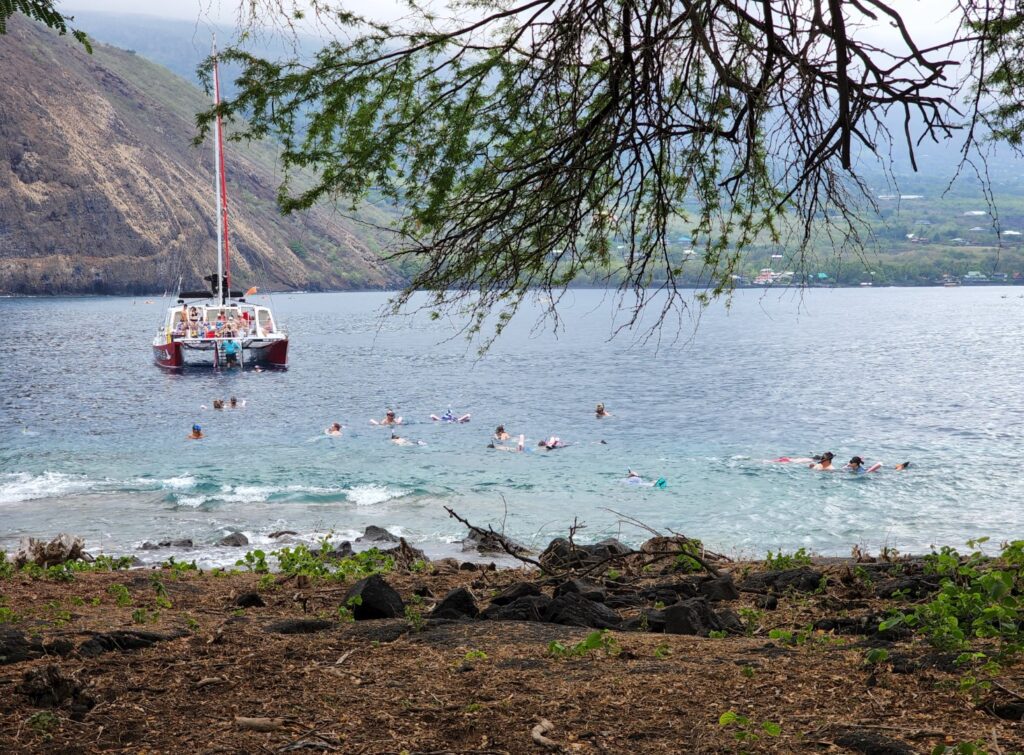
(928, 19)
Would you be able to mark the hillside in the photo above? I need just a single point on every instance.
(102, 190)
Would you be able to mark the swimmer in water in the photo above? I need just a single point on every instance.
(196, 434)
(449, 417)
(632, 478)
(600, 412)
(334, 429)
(856, 465)
(218, 403)
(500, 434)
(400, 441)
(825, 463)
(518, 448)
(389, 419)
(234, 403)
(552, 443)
(901, 467)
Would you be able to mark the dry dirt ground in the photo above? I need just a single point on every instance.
(406, 685)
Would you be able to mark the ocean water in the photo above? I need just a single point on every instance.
(94, 434)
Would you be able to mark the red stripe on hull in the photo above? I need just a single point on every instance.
(276, 354)
(168, 355)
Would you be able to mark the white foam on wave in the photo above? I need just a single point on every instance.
(372, 494)
(24, 486)
(361, 495)
(181, 482)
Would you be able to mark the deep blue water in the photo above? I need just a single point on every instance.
(94, 433)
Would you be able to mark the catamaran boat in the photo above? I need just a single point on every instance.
(218, 327)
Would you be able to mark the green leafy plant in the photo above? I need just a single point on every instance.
(163, 600)
(415, 618)
(717, 634)
(112, 563)
(747, 671)
(7, 616)
(601, 640)
(963, 748)
(7, 569)
(255, 561)
(120, 594)
(474, 655)
(42, 723)
(876, 656)
(978, 598)
(780, 561)
(662, 651)
(744, 729)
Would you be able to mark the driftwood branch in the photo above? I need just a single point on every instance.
(497, 536)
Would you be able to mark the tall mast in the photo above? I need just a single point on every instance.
(223, 188)
(218, 179)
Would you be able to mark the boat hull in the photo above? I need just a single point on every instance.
(168, 355)
(177, 355)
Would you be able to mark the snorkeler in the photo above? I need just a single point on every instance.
(632, 478)
(389, 419)
(600, 412)
(518, 448)
(825, 463)
(196, 434)
(552, 443)
(856, 465)
(500, 434)
(400, 441)
(902, 466)
(334, 429)
(449, 417)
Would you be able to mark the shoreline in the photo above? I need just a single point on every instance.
(647, 651)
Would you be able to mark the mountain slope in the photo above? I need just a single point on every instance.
(101, 189)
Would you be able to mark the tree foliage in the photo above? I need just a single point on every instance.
(46, 13)
(529, 143)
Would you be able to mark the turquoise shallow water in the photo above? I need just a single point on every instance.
(94, 440)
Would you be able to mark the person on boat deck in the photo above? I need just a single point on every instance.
(268, 326)
(500, 434)
(334, 429)
(179, 327)
(825, 463)
(196, 434)
(600, 412)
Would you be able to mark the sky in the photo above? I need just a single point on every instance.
(929, 20)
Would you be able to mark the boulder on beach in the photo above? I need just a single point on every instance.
(693, 616)
(514, 592)
(528, 608)
(490, 543)
(572, 609)
(801, 579)
(375, 534)
(373, 598)
(235, 539)
(561, 555)
(457, 605)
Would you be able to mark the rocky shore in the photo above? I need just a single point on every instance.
(582, 648)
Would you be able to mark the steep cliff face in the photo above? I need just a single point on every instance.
(102, 190)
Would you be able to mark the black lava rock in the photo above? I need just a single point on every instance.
(693, 616)
(572, 609)
(374, 534)
(529, 608)
(376, 600)
(458, 604)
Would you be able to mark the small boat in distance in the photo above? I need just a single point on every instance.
(219, 327)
